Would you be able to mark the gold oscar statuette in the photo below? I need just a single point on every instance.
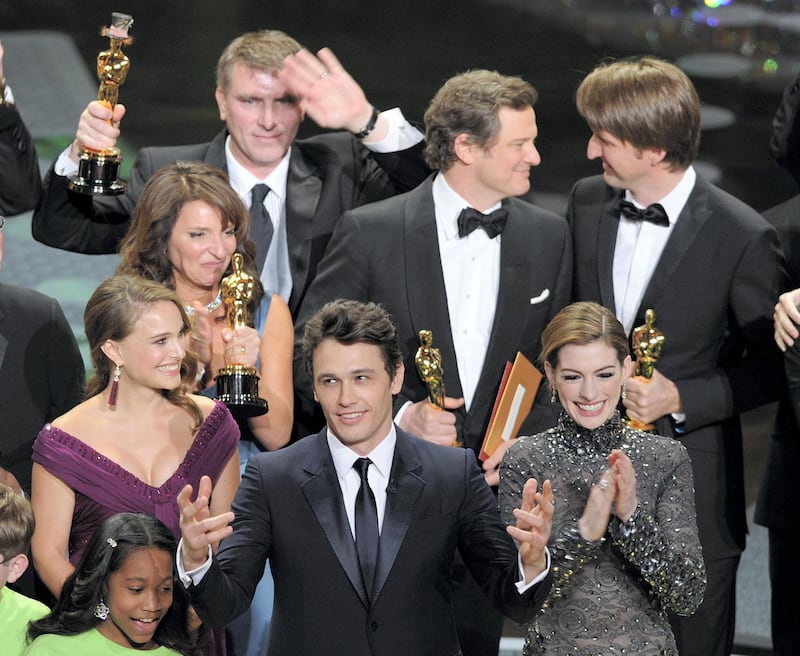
(429, 365)
(98, 169)
(237, 384)
(647, 342)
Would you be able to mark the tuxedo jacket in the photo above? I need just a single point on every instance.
(779, 495)
(328, 174)
(388, 253)
(41, 373)
(713, 292)
(20, 182)
(289, 509)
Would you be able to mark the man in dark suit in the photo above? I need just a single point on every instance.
(340, 588)
(41, 370)
(41, 374)
(20, 182)
(651, 234)
(266, 84)
(484, 294)
(779, 495)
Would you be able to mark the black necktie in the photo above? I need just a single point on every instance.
(653, 213)
(493, 223)
(366, 525)
(261, 225)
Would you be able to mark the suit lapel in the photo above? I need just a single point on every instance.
(323, 493)
(691, 220)
(514, 293)
(607, 228)
(427, 297)
(403, 493)
(303, 189)
(215, 155)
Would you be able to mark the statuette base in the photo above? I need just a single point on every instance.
(97, 174)
(237, 388)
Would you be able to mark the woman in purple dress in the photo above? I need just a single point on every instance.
(138, 439)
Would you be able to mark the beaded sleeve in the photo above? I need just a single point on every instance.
(663, 544)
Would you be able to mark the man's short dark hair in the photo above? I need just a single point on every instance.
(469, 103)
(352, 322)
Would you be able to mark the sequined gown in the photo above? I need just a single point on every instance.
(611, 596)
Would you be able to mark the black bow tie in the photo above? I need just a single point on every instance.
(471, 219)
(653, 213)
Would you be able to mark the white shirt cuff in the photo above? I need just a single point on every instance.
(192, 577)
(64, 165)
(401, 135)
(523, 587)
(399, 415)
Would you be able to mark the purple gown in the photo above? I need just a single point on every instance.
(103, 487)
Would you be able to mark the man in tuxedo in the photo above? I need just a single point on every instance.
(779, 495)
(651, 234)
(361, 521)
(20, 182)
(485, 293)
(296, 189)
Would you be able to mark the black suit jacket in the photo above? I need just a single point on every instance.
(388, 253)
(713, 292)
(289, 509)
(41, 373)
(328, 174)
(20, 183)
(779, 495)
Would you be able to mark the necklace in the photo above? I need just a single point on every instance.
(209, 307)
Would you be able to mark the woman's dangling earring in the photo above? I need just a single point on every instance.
(624, 393)
(112, 396)
(553, 395)
(101, 611)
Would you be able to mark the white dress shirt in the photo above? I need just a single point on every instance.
(377, 474)
(276, 275)
(638, 249)
(471, 268)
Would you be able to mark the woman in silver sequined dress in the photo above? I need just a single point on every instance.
(624, 543)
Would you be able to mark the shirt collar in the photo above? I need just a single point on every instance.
(243, 181)
(381, 456)
(674, 202)
(448, 205)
